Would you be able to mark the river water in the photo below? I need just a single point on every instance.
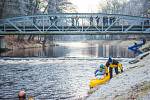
(73, 49)
(53, 73)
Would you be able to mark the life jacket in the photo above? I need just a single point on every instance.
(103, 72)
(116, 65)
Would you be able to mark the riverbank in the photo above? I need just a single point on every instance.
(13, 43)
(132, 84)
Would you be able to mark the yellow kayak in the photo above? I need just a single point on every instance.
(96, 82)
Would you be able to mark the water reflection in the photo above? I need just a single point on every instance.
(73, 49)
(56, 51)
(114, 51)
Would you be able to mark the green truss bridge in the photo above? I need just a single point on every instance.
(75, 24)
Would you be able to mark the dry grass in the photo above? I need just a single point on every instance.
(12, 43)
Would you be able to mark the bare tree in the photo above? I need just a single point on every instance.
(34, 8)
(146, 10)
(132, 7)
(60, 6)
(112, 7)
(2, 3)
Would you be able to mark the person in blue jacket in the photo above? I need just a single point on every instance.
(100, 72)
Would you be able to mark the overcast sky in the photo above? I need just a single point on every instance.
(88, 6)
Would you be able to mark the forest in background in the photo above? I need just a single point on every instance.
(11, 8)
(127, 7)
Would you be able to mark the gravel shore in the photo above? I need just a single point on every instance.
(132, 84)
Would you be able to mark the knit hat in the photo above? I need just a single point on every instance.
(110, 59)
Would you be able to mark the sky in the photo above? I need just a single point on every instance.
(87, 6)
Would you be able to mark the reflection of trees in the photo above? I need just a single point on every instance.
(94, 50)
(118, 51)
(100, 51)
(24, 53)
(114, 51)
(90, 50)
(55, 51)
(50, 51)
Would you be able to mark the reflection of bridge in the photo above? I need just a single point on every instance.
(75, 23)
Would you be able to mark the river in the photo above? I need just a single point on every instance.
(51, 73)
(73, 49)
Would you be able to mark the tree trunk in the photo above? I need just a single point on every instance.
(29, 38)
(2, 8)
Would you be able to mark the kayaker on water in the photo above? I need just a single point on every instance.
(22, 95)
(112, 63)
(101, 72)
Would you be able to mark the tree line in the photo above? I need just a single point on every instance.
(126, 7)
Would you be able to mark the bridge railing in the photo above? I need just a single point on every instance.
(73, 15)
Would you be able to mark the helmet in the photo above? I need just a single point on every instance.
(110, 59)
(101, 66)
